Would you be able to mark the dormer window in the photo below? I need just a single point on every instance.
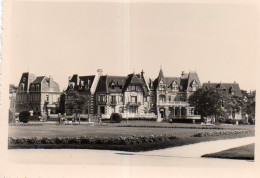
(21, 87)
(37, 87)
(174, 86)
(113, 85)
(82, 83)
(33, 88)
(71, 85)
(133, 88)
(162, 87)
(194, 85)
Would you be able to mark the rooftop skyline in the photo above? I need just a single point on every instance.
(63, 38)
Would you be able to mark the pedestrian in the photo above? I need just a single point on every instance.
(59, 118)
(100, 118)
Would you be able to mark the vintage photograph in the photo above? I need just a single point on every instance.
(130, 86)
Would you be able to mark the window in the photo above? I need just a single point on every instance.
(102, 109)
(22, 87)
(121, 110)
(37, 87)
(133, 109)
(133, 88)
(121, 98)
(161, 87)
(182, 98)
(133, 99)
(113, 85)
(33, 88)
(194, 85)
(47, 98)
(162, 98)
(102, 98)
(191, 111)
(113, 99)
(145, 98)
(174, 86)
(169, 98)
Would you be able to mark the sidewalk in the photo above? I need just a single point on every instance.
(199, 149)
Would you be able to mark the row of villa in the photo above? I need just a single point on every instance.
(133, 96)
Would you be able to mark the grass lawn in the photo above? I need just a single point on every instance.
(242, 152)
(51, 130)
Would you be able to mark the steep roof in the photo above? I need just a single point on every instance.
(38, 79)
(82, 83)
(185, 82)
(226, 87)
(48, 85)
(105, 84)
(191, 78)
(26, 79)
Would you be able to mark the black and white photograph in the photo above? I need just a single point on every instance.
(129, 88)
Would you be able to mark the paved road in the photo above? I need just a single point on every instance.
(166, 159)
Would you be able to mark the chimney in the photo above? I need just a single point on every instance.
(50, 81)
(142, 74)
(182, 74)
(100, 72)
(208, 81)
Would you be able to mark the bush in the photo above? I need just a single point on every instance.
(230, 121)
(24, 116)
(10, 116)
(251, 120)
(220, 120)
(116, 118)
(241, 122)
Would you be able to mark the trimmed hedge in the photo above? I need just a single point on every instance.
(96, 140)
(218, 133)
(26, 124)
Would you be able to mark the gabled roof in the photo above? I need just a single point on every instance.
(185, 82)
(229, 87)
(46, 86)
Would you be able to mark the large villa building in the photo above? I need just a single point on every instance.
(135, 96)
(38, 94)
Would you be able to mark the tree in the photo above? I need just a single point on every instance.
(77, 102)
(211, 102)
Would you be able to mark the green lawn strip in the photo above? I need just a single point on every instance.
(132, 147)
(243, 152)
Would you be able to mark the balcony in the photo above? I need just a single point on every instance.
(113, 103)
(174, 103)
(184, 117)
(102, 102)
(134, 103)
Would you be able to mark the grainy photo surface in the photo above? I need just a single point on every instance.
(129, 88)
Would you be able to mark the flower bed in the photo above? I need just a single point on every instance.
(158, 126)
(93, 140)
(218, 133)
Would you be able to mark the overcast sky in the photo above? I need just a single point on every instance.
(64, 38)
